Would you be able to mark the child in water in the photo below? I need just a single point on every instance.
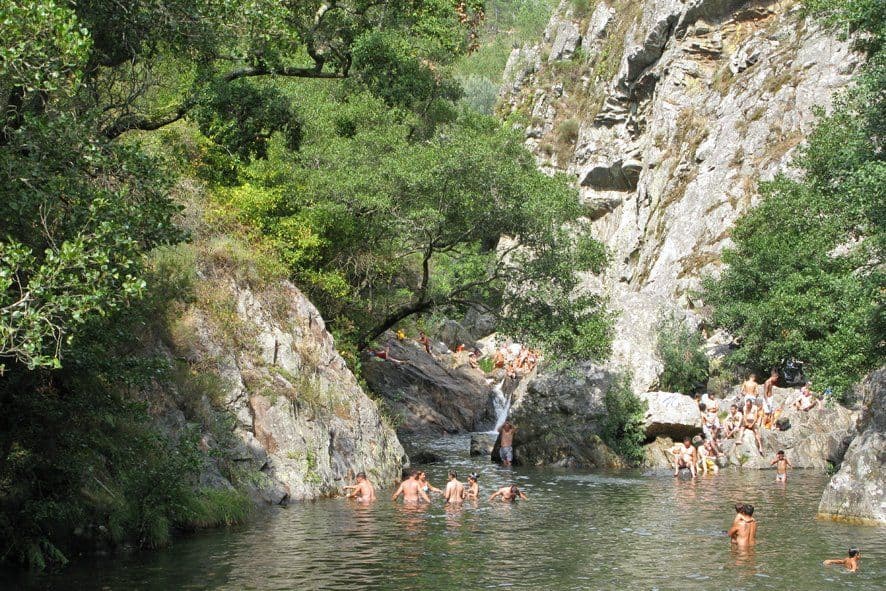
(850, 562)
(781, 464)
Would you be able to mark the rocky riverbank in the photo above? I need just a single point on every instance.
(857, 492)
(279, 412)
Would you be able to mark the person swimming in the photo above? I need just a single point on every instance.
(508, 494)
(850, 562)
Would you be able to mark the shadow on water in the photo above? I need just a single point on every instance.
(577, 531)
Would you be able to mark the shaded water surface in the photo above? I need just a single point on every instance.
(577, 531)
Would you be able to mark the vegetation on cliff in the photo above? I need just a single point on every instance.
(805, 278)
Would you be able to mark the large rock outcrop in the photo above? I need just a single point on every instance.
(559, 417)
(431, 393)
(278, 402)
(670, 414)
(857, 492)
(682, 106)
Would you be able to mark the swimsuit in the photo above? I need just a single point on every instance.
(781, 477)
(506, 454)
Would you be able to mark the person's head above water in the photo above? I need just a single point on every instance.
(414, 474)
(853, 552)
(361, 475)
(748, 510)
(453, 475)
(739, 508)
(780, 453)
(472, 476)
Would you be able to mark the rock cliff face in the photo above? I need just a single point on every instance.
(857, 492)
(431, 393)
(668, 112)
(279, 402)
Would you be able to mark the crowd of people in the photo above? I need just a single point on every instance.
(416, 488)
(752, 412)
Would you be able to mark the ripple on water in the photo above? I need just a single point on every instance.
(577, 531)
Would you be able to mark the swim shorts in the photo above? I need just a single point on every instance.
(506, 454)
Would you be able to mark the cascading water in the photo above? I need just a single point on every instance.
(502, 405)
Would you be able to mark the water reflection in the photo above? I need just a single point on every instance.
(576, 531)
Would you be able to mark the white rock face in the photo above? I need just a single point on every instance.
(670, 414)
(710, 97)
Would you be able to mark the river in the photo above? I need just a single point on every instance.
(578, 530)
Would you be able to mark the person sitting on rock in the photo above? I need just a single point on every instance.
(807, 401)
(685, 456)
(509, 494)
(710, 422)
(707, 457)
(751, 422)
(710, 402)
(850, 562)
(363, 491)
(732, 423)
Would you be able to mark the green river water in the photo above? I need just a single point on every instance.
(578, 530)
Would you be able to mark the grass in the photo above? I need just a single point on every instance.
(217, 507)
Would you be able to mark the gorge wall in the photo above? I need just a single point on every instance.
(668, 113)
(277, 409)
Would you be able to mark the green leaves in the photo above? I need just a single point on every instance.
(805, 277)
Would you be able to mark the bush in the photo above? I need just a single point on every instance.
(623, 429)
(679, 348)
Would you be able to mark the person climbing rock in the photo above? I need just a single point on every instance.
(506, 451)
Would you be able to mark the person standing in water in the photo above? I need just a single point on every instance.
(455, 490)
(781, 464)
(363, 490)
(472, 492)
(509, 494)
(743, 532)
(850, 562)
(426, 485)
(411, 490)
(506, 451)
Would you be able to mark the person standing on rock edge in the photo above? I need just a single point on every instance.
(768, 401)
(455, 490)
(424, 341)
(411, 490)
(363, 491)
(749, 388)
(506, 451)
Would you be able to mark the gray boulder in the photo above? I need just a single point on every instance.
(857, 492)
(559, 418)
(670, 414)
(483, 443)
(430, 393)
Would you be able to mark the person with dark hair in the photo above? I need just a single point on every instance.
(455, 490)
(850, 562)
(508, 494)
(769, 410)
(685, 456)
(732, 422)
(506, 450)
(743, 532)
(411, 490)
(363, 490)
(781, 464)
(473, 489)
(749, 388)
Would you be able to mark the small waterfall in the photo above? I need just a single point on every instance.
(502, 405)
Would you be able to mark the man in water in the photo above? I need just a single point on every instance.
(781, 464)
(851, 562)
(743, 532)
(455, 490)
(506, 451)
(363, 490)
(508, 494)
(411, 490)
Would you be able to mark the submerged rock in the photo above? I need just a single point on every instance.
(431, 393)
(482, 444)
(857, 492)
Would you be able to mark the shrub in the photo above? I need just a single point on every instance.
(623, 426)
(680, 350)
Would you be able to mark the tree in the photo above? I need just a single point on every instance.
(805, 277)
(379, 228)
